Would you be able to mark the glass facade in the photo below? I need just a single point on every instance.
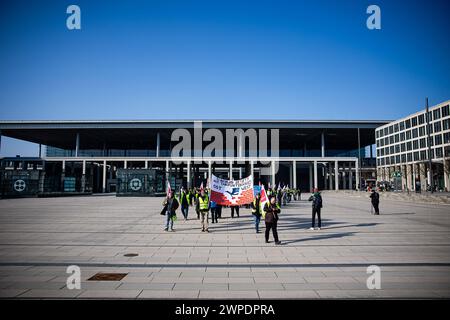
(406, 140)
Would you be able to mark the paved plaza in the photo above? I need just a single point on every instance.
(40, 237)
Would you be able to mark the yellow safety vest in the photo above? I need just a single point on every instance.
(203, 203)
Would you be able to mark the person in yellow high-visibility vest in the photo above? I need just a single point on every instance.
(257, 211)
(203, 207)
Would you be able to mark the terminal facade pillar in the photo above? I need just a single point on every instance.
(315, 175)
(63, 174)
(336, 175)
(294, 174)
(83, 177)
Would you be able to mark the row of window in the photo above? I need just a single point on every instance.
(422, 155)
(420, 119)
(414, 145)
(414, 133)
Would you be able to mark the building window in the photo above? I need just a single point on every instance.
(422, 131)
(402, 136)
(438, 152)
(416, 156)
(414, 122)
(415, 144)
(409, 157)
(408, 134)
(408, 124)
(438, 140)
(386, 131)
(437, 114)
(415, 133)
(446, 124)
(397, 138)
(437, 126)
(409, 146)
(397, 159)
(430, 128)
(421, 119)
(397, 148)
(402, 125)
(423, 155)
(422, 143)
(447, 137)
(403, 147)
(396, 127)
(391, 139)
(403, 158)
(391, 150)
(445, 111)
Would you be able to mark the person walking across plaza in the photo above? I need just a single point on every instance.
(375, 199)
(233, 210)
(214, 211)
(184, 202)
(256, 211)
(170, 205)
(271, 210)
(203, 209)
(316, 199)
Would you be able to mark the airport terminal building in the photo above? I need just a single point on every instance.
(137, 157)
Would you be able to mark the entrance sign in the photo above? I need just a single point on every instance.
(232, 192)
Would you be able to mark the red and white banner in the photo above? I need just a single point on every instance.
(232, 192)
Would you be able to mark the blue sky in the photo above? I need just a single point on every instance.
(220, 59)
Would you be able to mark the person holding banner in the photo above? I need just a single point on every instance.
(256, 211)
(203, 208)
(271, 211)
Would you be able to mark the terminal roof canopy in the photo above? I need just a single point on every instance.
(142, 134)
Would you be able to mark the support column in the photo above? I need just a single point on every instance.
(209, 171)
(145, 164)
(358, 176)
(125, 164)
(83, 177)
(188, 176)
(77, 145)
(252, 168)
(41, 181)
(446, 164)
(404, 178)
(230, 173)
(336, 175)
(63, 174)
(350, 176)
(104, 177)
(322, 144)
(423, 177)
(167, 173)
(158, 144)
(294, 174)
(414, 170)
(291, 178)
(315, 175)
(310, 177)
(273, 173)
(330, 176)
(40, 150)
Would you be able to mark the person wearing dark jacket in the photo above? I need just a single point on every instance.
(316, 199)
(271, 210)
(170, 205)
(375, 199)
(256, 211)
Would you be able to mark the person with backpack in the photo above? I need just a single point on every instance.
(271, 211)
(316, 199)
(256, 211)
(375, 199)
(170, 205)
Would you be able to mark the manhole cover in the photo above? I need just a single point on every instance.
(101, 276)
(130, 255)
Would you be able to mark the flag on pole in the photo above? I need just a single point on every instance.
(168, 187)
(262, 200)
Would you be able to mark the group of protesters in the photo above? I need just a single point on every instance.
(199, 199)
(269, 210)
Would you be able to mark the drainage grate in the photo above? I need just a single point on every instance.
(130, 255)
(101, 276)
